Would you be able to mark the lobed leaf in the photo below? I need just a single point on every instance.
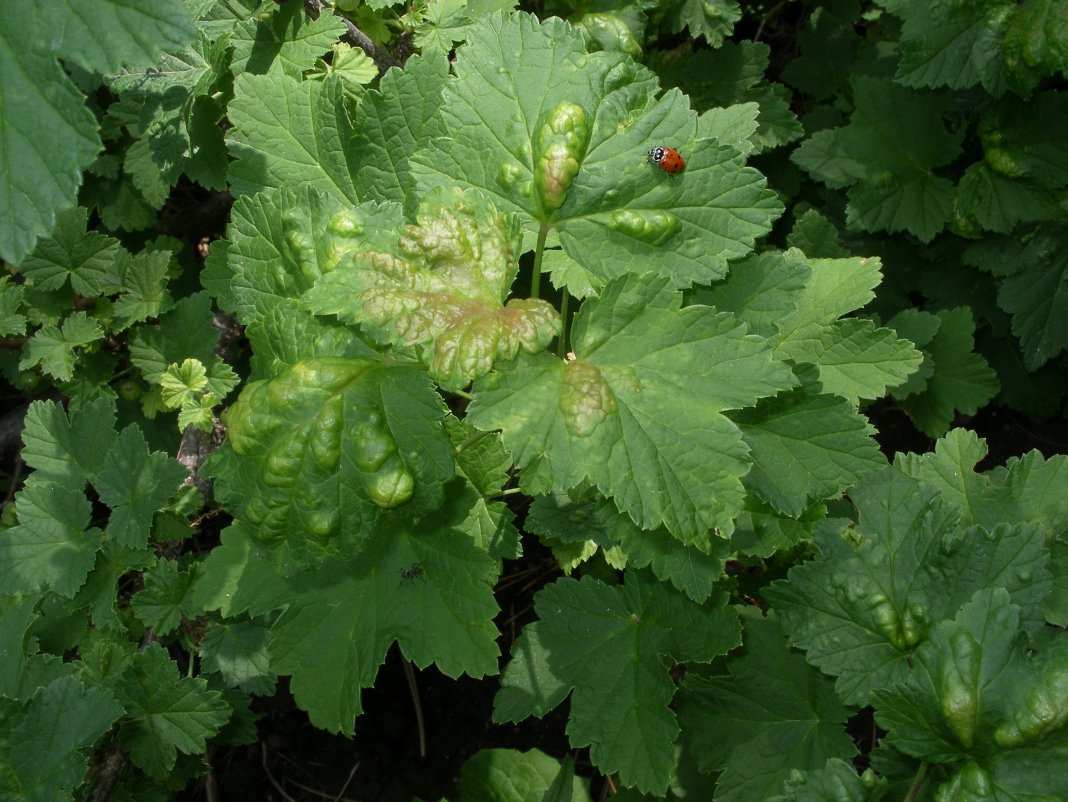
(631, 414)
(438, 286)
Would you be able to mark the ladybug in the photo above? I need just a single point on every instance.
(667, 159)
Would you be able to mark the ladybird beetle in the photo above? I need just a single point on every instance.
(667, 159)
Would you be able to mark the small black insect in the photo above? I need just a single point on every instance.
(412, 573)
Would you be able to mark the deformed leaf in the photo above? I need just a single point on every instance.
(322, 450)
(875, 594)
(980, 703)
(631, 412)
(439, 287)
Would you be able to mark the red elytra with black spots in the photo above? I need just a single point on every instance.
(667, 159)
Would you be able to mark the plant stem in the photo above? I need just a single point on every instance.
(565, 331)
(917, 783)
(410, 676)
(539, 249)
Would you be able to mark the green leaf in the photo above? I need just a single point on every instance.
(507, 775)
(11, 320)
(713, 19)
(835, 782)
(184, 332)
(144, 292)
(397, 119)
(737, 724)
(806, 448)
(193, 69)
(135, 484)
(1035, 44)
(607, 647)
(326, 448)
(68, 451)
(427, 587)
(978, 701)
(48, 135)
(103, 35)
(688, 569)
(86, 259)
(239, 651)
(560, 136)
(1034, 289)
(165, 599)
(165, 712)
(631, 414)
(874, 595)
(817, 237)
(287, 133)
(181, 384)
(283, 41)
(962, 379)
(46, 739)
(282, 242)
(440, 286)
(886, 155)
(50, 547)
(954, 45)
(53, 347)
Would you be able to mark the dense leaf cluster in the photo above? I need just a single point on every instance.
(454, 316)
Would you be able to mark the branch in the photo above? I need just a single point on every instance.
(379, 56)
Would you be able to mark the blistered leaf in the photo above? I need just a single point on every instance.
(439, 286)
(631, 412)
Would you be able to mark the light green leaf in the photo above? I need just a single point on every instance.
(52, 347)
(608, 647)
(560, 136)
(440, 286)
(631, 414)
(737, 724)
(165, 712)
(859, 361)
(806, 448)
(291, 134)
(282, 242)
(326, 449)
(51, 546)
(397, 119)
(283, 41)
(182, 383)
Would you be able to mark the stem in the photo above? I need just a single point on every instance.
(561, 346)
(917, 783)
(539, 249)
(410, 676)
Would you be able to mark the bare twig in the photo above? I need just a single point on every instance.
(379, 56)
(107, 774)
